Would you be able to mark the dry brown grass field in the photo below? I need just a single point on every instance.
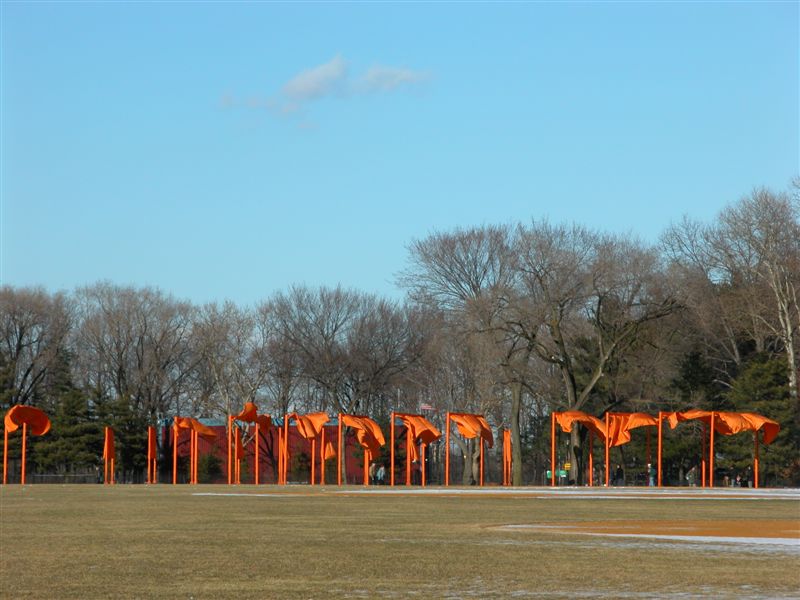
(299, 542)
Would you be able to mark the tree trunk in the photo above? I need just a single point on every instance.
(516, 445)
(466, 457)
(574, 453)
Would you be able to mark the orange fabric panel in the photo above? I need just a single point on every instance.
(674, 418)
(771, 428)
(620, 425)
(330, 450)
(567, 418)
(183, 422)
(37, 421)
(249, 413)
(109, 450)
(203, 431)
(368, 433)
(730, 423)
(195, 425)
(309, 426)
(471, 426)
(421, 429)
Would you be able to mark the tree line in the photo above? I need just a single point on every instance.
(512, 321)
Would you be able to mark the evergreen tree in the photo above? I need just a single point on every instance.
(763, 387)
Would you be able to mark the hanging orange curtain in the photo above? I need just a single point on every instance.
(471, 426)
(369, 436)
(621, 424)
(249, 414)
(565, 420)
(310, 428)
(109, 456)
(27, 418)
(421, 430)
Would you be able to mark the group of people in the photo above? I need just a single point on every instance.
(377, 474)
(618, 476)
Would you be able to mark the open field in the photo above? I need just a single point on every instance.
(299, 542)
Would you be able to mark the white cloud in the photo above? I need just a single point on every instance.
(316, 82)
(385, 79)
(332, 78)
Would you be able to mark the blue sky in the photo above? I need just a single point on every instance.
(222, 150)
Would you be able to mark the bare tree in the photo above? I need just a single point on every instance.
(594, 294)
(33, 329)
(470, 275)
(133, 344)
(231, 345)
(749, 262)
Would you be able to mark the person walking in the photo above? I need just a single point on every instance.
(619, 477)
(373, 473)
(381, 475)
(651, 474)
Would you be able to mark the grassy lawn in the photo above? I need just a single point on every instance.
(163, 541)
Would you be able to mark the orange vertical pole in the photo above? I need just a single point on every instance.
(322, 457)
(447, 452)
(339, 454)
(283, 454)
(24, 446)
(591, 461)
(285, 450)
(422, 461)
(711, 454)
(480, 441)
(230, 458)
(703, 459)
(5, 457)
(174, 453)
(367, 458)
(391, 451)
(755, 460)
(280, 455)
(552, 449)
(408, 456)
(149, 459)
(193, 461)
(660, 442)
(239, 459)
(191, 456)
(313, 458)
(255, 458)
(607, 450)
(509, 457)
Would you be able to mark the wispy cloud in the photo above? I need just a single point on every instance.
(326, 80)
(385, 79)
(316, 82)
